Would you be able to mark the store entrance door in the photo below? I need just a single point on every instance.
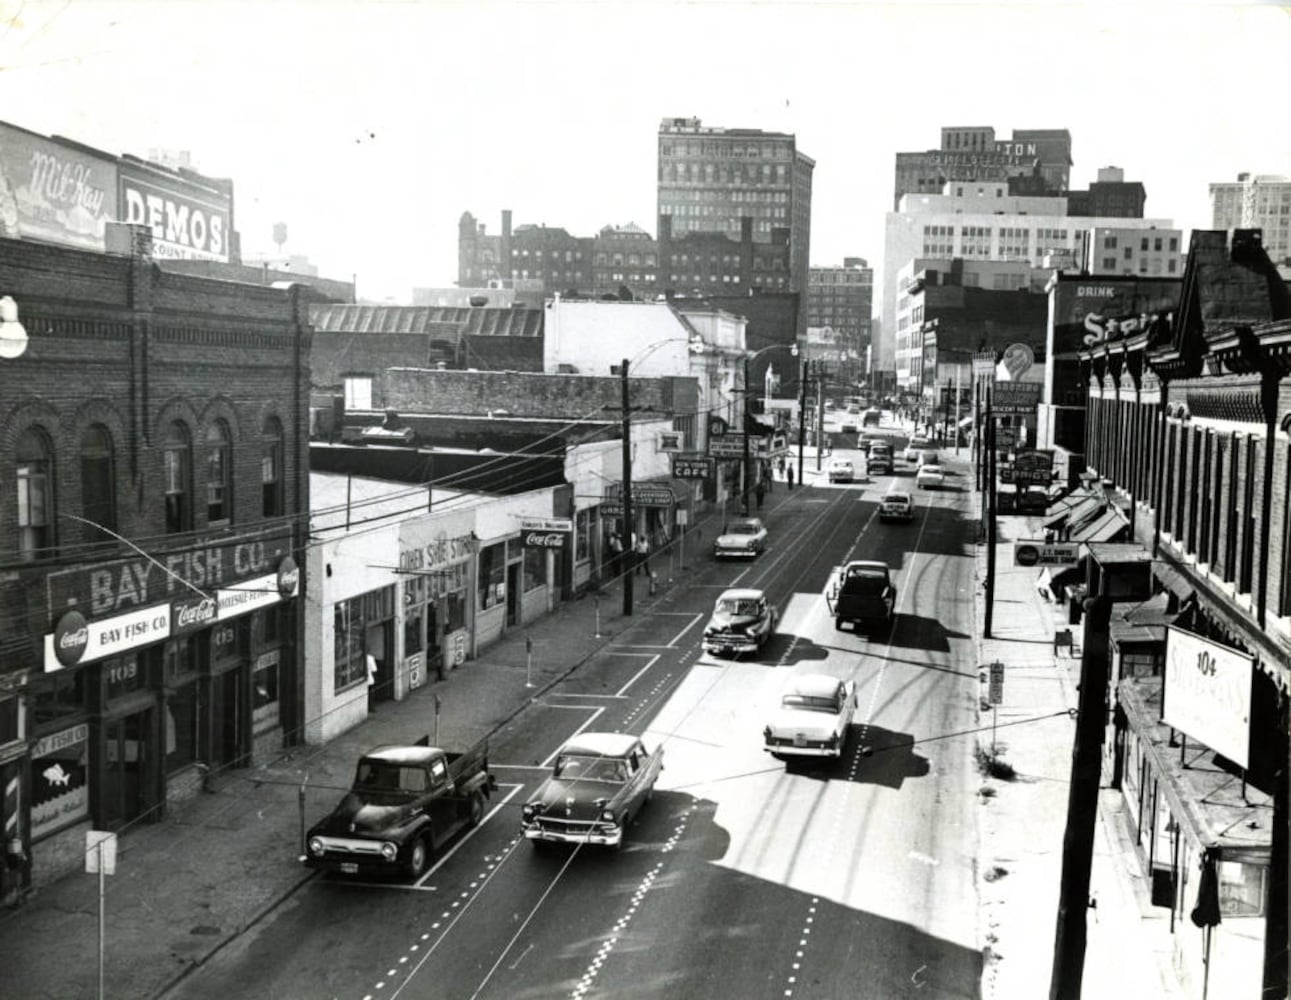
(226, 719)
(513, 594)
(127, 748)
(380, 646)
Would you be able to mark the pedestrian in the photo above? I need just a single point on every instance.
(761, 491)
(642, 550)
(616, 553)
(790, 475)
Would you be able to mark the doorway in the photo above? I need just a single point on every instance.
(226, 719)
(380, 645)
(513, 594)
(127, 753)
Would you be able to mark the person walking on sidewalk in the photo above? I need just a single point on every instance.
(642, 551)
(790, 474)
(616, 554)
(761, 491)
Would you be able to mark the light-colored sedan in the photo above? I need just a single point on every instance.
(841, 471)
(812, 717)
(896, 506)
(912, 450)
(930, 477)
(741, 539)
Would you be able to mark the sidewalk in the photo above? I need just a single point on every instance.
(216, 864)
(1023, 820)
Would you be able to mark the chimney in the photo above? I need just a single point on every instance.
(506, 222)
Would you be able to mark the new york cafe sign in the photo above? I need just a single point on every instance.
(118, 606)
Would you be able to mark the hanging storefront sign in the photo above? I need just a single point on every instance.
(74, 640)
(60, 780)
(1038, 553)
(643, 495)
(54, 191)
(546, 524)
(692, 466)
(537, 539)
(1011, 398)
(1033, 465)
(1207, 693)
(192, 615)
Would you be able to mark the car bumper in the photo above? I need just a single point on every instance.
(743, 644)
(725, 553)
(607, 837)
(896, 515)
(808, 748)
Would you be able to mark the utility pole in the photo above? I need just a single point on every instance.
(627, 490)
(990, 517)
(1082, 804)
(802, 412)
(746, 479)
(820, 414)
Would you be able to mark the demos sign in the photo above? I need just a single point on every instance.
(1207, 693)
(188, 221)
(54, 192)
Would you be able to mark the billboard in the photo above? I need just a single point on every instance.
(1106, 308)
(54, 191)
(1207, 693)
(188, 220)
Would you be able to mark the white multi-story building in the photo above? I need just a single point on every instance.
(1145, 250)
(1260, 201)
(981, 221)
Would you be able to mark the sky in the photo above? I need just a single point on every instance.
(370, 127)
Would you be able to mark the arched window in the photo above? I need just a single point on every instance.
(98, 484)
(35, 494)
(177, 456)
(219, 474)
(271, 468)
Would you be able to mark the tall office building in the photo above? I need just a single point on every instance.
(842, 298)
(1259, 201)
(1037, 160)
(711, 179)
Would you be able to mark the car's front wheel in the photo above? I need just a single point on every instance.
(418, 857)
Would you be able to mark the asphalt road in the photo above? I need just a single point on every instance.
(742, 878)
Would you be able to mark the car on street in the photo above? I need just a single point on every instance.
(871, 417)
(812, 718)
(879, 461)
(861, 593)
(742, 622)
(406, 803)
(598, 784)
(841, 470)
(896, 506)
(930, 477)
(916, 445)
(848, 425)
(742, 538)
(928, 456)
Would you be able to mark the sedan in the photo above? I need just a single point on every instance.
(841, 471)
(896, 506)
(812, 717)
(930, 477)
(912, 450)
(744, 538)
(743, 621)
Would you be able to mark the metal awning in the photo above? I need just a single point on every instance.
(1172, 580)
(1104, 528)
(1073, 508)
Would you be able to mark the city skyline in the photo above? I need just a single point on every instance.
(371, 151)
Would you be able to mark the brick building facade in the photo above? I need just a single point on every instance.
(154, 432)
(1189, 425)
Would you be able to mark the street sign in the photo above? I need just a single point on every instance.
(1037, 553)
(996, 695)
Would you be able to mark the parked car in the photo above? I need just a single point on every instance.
(743, 538)
(913, 449)
(896, 506)
(812, 718)
(841, 471)
(742, 622)
(861, 593)
(598, 784)
(930, 477)
(406, 802)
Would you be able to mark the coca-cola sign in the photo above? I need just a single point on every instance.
(544, 539)
(193, 614)
(288, 576)
(71, 636)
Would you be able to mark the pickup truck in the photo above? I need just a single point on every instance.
(598, 784)
(861, 593)
(406, 803)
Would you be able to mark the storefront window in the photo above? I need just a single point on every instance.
(351, 621)
(56, 696)
(535, 568)
(264, 691)
(493, 572)
(414, 600)
(454, 612)
(1241, 889)
(10, 721)
(59, 780)
(273, 627)
(180, 657)
(121, 675)
(181, 726)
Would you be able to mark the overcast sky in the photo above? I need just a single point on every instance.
(369, 127)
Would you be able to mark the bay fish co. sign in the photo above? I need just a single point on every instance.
(128, 584)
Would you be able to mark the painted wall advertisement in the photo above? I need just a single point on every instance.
(1090, 310)
(59, 778)
(188, 221)
(1207, 693)
(54, 191)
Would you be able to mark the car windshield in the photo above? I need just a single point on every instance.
(571, 767)
(812, 703)
(865, 581)
(742, 528)
(897, 498)
(739, 606)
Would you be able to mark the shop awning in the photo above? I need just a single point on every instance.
(1072, 509)
(1107, 527)
(1172, 581)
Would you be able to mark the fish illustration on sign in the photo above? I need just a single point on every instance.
(55, 775)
